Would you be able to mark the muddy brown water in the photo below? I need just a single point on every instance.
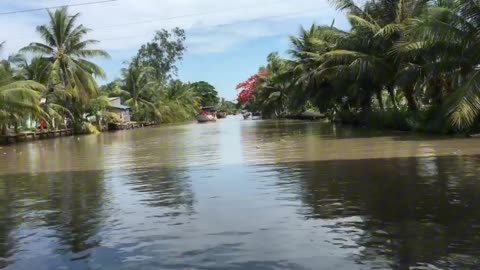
(241, 195)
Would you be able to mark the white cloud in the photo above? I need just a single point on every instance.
(212, 26)
(133, 21)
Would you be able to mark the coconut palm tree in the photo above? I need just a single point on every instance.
(141, 90)
(178, 102)
(35, 70)
(366, 51)
(317, 82)
(276, 91)
(445, 40)
(18, 99)
(66, 51)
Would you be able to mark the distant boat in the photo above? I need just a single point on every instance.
(207, 114)
(256, 116)
(204, 118)
(253, 116)
(221, 115)
(247, 115)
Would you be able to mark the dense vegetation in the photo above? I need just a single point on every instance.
(54, 82)
(403, 64)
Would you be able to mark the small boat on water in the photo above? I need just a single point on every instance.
(247, 115)
(204, 118)
(221, 115)
(207, 114)
(253, 116)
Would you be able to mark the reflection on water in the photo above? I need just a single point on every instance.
(241, 195)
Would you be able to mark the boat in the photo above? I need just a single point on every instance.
(221, 115)
(205, 118)
(247, 115)
(207, 114)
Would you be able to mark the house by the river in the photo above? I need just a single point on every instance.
(116, 106)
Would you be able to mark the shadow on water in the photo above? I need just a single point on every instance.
(338, 132)
(63, 219)
(387, 213)
(394, 213)
(61, 206)
(166, 187)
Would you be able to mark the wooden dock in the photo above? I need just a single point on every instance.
(39, 135)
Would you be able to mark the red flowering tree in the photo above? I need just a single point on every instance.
(248, 87)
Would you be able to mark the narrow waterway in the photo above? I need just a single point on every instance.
(241, 195)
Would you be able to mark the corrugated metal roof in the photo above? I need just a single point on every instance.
(120, 107)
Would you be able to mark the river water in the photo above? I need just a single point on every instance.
(241, 195)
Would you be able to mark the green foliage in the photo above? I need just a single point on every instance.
(227, 106)
(91, 129)
(67, 49)
(206, 92)
(112, 118)
(407, 64)
(62, 66)
(163, 52)
(178, 102)
(58, 83)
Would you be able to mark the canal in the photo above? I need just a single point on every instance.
(241, 195)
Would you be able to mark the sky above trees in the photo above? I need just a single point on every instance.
(227, 40)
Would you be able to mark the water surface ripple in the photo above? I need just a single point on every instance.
(241, 195)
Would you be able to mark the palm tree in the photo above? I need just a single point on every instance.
(18, 99)
(178, 102)
(276, 91)
(445, 40)
(325, 81)
(366, 51)
(66, 51)
(35, 70)
(141, 90)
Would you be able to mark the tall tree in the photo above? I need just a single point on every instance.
(207, 93)
(163, 52)
(178, 102)
(142, 90)
(66, 50)
(19, 99)
(445, 39)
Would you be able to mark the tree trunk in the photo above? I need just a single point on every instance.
(391, 93)
(4, 129)
(410, 96)
(367, 103)
(380, 101)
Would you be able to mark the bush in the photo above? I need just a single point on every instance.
(91, 129)
(110, 118)
(430, 120)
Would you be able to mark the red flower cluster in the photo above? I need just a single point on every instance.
(248, 87)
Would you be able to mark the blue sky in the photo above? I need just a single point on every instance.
(227, 40)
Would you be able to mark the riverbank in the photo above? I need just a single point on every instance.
(35, 135)
(429, 121)
(31, 135)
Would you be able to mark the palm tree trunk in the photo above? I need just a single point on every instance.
(411, 101)
(367, 103)
(391, 93)
(4, 129)
(380, 100)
